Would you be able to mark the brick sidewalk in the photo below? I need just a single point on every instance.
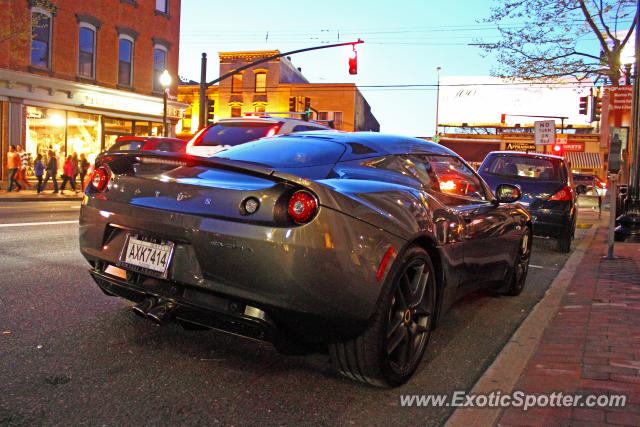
(592, 345)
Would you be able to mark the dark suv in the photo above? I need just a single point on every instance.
(547, 190)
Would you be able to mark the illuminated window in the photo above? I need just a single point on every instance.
(86, 49)
(236, 83)
(159, 65)
(40, 38)
(125, 61)
(261, 82)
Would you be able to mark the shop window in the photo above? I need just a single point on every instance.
(261, 82)
(159, 65)
(40, 38)
(125, 61)
(236, 111)
(86, 50)
(141, 129)
(236, 83)
(46, 130)
(82, 134)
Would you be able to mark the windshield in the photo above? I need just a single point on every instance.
(524, 167)
(235, 133)
(286, 152)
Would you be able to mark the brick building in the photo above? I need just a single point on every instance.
(275, 86)
(75, 75)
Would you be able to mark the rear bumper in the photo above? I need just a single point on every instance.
(551, 223)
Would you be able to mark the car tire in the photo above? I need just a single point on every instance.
(520, 265)
(564, 243)
(389, 351)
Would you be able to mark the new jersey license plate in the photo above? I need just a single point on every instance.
(147, 255)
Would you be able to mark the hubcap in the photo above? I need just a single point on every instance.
(410, 314)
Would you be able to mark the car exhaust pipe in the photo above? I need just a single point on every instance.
(161, 313)
(144, 307)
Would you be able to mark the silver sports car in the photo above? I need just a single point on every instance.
(352, 242)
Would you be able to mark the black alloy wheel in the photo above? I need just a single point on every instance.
(521, 264)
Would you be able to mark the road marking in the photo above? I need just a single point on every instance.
(24, 224)
(535, 266)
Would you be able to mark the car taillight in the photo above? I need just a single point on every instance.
(564, 195)
(302, 206)
(196, 138)
(272, 130)
(602, 184)
(100, 179)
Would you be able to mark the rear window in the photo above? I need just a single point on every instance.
(234, 133)
(128, 145)
(286, 152)
(524, 167)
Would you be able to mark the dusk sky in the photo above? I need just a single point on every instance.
(405, 42)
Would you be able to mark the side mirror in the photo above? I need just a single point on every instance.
(507, 193)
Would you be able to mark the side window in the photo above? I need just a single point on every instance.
(455, 178)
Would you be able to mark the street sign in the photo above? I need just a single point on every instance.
(545, 132)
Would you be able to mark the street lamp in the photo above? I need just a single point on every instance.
(165, 81)
(437, 99)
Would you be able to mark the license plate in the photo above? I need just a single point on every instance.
(147, 255)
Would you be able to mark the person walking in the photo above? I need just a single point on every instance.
(13, 164)
(84, 168)
(25, 161)
(52, 171)
(68, 170)
(76, 167)
(38, 171)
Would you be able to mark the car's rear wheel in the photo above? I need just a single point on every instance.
(521, 264)
(564, 241)
(390, 349)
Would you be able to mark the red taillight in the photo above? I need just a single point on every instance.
(100, 179)
(302, 206)
(564, 195)
(272, 130)
(602, 184)
(195, 138)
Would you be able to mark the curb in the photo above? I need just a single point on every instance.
(507, 368)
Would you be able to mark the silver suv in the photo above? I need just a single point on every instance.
(226, 133)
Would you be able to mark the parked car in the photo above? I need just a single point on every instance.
(154, 143)
(546, 186)
(229, 132)
(355, 243)
(585, 183)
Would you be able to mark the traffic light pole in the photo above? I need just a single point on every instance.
(204, 85)
(629, 222)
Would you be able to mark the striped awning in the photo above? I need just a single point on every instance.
(584, 160)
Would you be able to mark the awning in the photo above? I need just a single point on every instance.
(584, 160)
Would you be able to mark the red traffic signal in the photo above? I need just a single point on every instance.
(353, 62)
(583, 104)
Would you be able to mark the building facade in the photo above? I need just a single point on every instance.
(76, 75)
(275, 86)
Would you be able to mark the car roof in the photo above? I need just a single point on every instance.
(524, 154)
(371, 144)
(149, 138)
(268, 119)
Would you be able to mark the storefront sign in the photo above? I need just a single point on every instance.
(520, 146)
(562, 138)
(124, 104)
(574, 146)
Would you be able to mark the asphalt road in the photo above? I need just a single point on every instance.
(71, 355)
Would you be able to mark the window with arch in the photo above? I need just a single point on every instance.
(159, 65)
(236, 83)
(41, 38)
(86, 50)
(125, 61)
(261, 82)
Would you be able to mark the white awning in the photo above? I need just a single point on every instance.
(584, 160)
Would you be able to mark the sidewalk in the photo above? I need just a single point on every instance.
(582, 338)
(30, 195)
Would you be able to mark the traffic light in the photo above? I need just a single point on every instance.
(353, 62)
(596, 108)
(292, 103)
(615, 153)
(503, 118)
(558, 149)
(583, 105)
(210, 118)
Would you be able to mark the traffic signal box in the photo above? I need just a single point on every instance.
(596, 108)
(292, 103)
(210, 117)
(353, 62)
(615, 154)
(583, 104)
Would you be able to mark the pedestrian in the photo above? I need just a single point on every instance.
(84, 168)
(38, 171)
(67, 174)
(25, 162)
(13, 164)
(76, 167)
(52, 171)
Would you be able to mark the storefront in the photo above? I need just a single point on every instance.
(44, 114)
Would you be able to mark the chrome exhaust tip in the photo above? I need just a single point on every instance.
(160, 313)
(142, 308)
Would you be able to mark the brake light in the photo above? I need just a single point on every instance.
(602, 184)
(196, 138)
(272, 130)
(563, 195)
(302, 207)
(100, 179)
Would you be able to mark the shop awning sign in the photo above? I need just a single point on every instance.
(520, 146)
(574, 146)
(544, 132)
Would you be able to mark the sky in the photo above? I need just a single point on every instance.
(405, 41)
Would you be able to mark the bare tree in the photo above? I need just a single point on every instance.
(554, 38)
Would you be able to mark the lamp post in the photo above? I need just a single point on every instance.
(165, 81)
(437, 99)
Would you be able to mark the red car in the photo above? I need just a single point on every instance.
(152, 143)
